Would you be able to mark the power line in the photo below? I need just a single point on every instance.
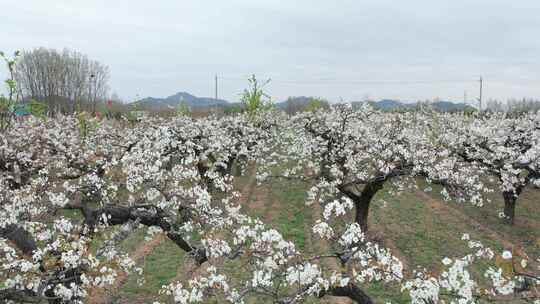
(480, 97)
(216, 87)
(353, 82)
(336, 81)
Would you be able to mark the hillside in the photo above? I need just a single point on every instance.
(390, 104)
(171, 102)
(296, 101)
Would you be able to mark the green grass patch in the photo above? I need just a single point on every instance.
(160, 266)
(382, 293)
(292, 213)
(418, 233)
(526, 230)
(134, 240)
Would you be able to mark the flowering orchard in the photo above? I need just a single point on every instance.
(73, 189)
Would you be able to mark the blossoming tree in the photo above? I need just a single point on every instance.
(507, 147)
(176, 177)
(352, 154)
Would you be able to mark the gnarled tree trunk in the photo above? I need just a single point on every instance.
(362, 201)
(351, 291)
(510, 199)
(509, 206)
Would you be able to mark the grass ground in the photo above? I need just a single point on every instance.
(416, 225)
(288, 203)
(160, 266)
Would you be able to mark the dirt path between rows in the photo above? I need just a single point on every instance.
(253, 196)
(260, 201)
(445, 210)
(387, 240)
(247, 188)
(321, 246)
(252, 199)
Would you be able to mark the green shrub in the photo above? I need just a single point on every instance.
(254, 99)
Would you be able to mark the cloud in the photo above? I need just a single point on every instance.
(324, 48)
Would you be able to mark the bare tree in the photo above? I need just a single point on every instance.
(495, 105)
(64, 80)
(523, 105)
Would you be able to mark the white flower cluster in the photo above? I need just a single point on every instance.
(177, 177)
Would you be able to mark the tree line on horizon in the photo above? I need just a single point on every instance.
(68, 81)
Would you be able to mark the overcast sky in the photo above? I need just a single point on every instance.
(334, 49)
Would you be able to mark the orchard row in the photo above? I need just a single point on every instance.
(71, 184)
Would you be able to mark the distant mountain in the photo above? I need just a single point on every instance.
(294, 101)
(449, 106)
(171, 102)
(390, 104)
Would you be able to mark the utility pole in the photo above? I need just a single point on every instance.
(465, 97)
(216, 84)
(480, 98)
(90, 100)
